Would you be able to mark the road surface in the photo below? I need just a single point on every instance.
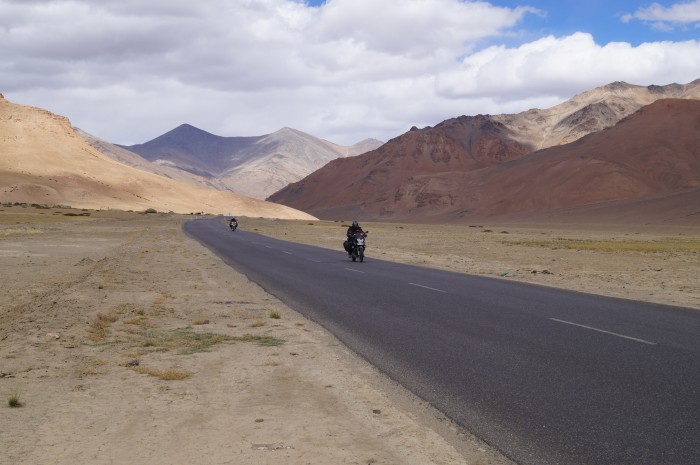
(548, 377)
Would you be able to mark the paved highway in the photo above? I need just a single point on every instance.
(546, 376)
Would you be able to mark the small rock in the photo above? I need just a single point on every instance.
(133, 363)
(376, 411)
(53, 336)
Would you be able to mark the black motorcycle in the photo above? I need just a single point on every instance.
(357, 247)
(233, 225)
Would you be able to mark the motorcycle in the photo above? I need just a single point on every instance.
(357, 247)
(233, 225)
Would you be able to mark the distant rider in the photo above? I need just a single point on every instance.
(233, 224)
(353, 230)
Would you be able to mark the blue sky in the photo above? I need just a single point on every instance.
(602, 18)
(344, 70)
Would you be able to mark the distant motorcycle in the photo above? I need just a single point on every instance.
(357, 247)
(233, 225)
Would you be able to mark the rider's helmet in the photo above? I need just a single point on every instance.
(355, 224)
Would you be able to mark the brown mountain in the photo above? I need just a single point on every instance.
(649, 158)
(253, 166)
(589, 112)
(43, 160)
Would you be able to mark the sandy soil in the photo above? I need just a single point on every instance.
(105, 320)
(86, 297)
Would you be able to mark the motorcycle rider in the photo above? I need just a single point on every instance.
(233, 224)
(352, 231)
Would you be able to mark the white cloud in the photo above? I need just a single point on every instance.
(665, 17)
(129, 70)
(560, 66)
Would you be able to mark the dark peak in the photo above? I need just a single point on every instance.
(618, 85)
(189, 129)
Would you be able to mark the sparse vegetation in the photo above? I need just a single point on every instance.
(99, 328)
(267, 341)
(171, 374)
(275, 315)
(184, 340)
(14, 399)
(669, 244)
(95, 367)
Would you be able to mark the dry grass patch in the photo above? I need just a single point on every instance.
(99, 328)
(163, 298)
(658, 245)
(94, 368)
(19, 232)
(267, 341)
(184, 340)
(171, 374)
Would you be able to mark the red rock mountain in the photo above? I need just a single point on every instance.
(473, 167)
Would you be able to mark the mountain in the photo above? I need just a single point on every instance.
(136, 161)
(479, 167)
(254, 166)
(588, 112)
(43, 160)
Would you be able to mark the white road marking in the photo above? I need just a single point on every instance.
(606, 332)
(288, 253)
(312, 260)
(426, 287)
(356, 271)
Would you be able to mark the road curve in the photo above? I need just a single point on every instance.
(547, 376)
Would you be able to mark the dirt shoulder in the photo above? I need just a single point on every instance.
(126, 342)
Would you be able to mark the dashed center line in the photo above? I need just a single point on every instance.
(603, 331)
(426, 287)
(288, 253)
(356, 271)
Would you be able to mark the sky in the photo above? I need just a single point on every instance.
(128, 71)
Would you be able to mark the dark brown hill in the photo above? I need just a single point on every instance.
(428, 175)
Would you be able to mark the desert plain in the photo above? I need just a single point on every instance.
(123, 341)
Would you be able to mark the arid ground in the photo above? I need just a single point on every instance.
(122, 341)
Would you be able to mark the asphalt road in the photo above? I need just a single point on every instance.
(546, 376)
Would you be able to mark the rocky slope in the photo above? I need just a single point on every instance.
(478, 167)
(43, 160)
(589, 112)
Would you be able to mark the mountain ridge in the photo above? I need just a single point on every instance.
(255, 166)
(457, 169)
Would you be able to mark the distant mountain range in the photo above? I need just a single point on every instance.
(641, 143)
(618, 153)
(43, 160)
(252, 166)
